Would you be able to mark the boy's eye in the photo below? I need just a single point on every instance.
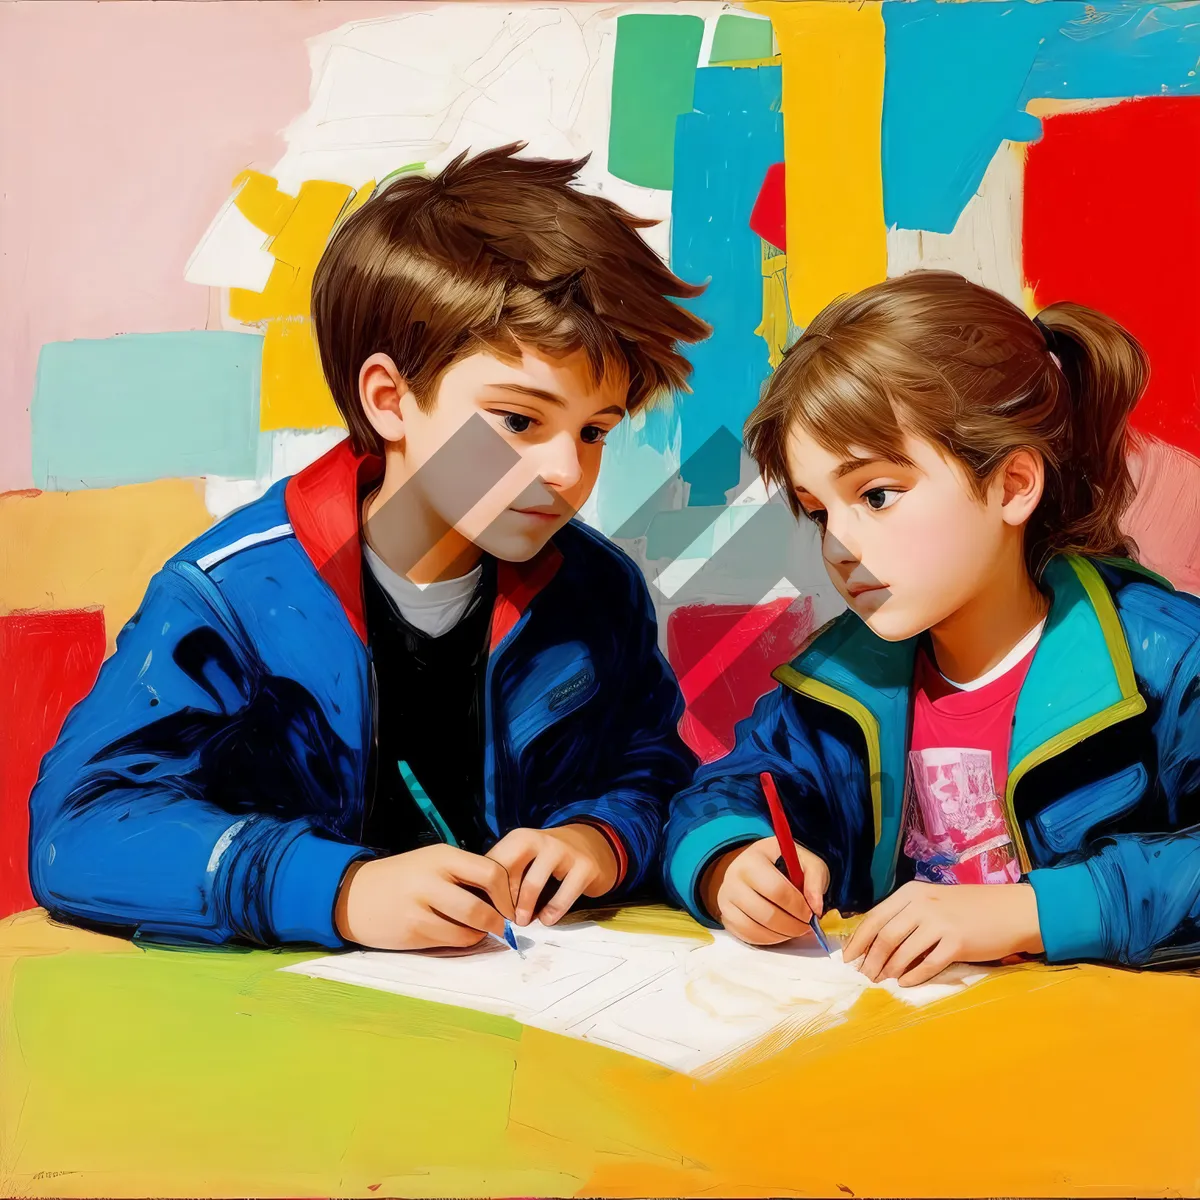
(881, 498)
(593, 435)
(819, 515)
(517, 422)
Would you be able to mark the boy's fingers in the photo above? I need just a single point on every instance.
(487, 874)
(872, 923)
(571, 888)
(435, 930)
(536, 877)
(466, 908)
(514, 854)
(816, 879)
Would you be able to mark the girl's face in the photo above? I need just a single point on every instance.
(907, 546)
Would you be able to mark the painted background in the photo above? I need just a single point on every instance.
(169, 174)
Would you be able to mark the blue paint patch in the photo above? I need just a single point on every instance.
(722, 152)
(959, 77)
(641, 456)
(139, 407)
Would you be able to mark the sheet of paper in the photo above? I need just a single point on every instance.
(689, 1006)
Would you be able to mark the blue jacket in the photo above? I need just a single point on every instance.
(212, 784)
(1103, 793)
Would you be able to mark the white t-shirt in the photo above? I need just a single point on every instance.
(433, 608)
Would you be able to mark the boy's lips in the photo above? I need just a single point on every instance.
(861, 589)
(546, 514)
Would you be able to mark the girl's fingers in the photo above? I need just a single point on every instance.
(934, 963)
(886, 941)
(748, 929)
(918, 943)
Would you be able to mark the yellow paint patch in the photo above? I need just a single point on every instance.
(649, 918)
(294, 393)
(774, 327)
(833, 70)
(96, 546)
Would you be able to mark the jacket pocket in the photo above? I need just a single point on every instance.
(559, 682)
(1064, 825)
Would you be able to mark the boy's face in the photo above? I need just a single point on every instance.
(906, 546)
(550, 410)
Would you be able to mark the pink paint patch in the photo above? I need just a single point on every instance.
(724, 656)
(768, 217)
(1164, 520)
(134, 118)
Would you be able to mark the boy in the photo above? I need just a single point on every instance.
(392, 700)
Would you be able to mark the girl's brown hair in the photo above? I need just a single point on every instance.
(955, 364)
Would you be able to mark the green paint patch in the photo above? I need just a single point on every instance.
(654, 73)
(739, 38)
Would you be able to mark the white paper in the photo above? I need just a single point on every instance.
(686, 1005)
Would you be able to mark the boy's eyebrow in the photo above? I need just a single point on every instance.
(552, 397)
(854, 464)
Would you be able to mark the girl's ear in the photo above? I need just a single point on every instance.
(1022, 477)
(381, 387)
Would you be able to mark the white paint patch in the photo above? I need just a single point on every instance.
(282, 452)
(985, 246)
(223, 844)
(422, 87)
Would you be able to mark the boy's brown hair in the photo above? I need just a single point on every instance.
(493, 251)
(957, 365)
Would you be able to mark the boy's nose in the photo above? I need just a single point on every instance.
(559, 466)
(836, 552)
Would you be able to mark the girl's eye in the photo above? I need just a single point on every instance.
(517, 422)
(593, 435)
(880, 498)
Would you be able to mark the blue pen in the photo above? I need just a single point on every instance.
(438, 823)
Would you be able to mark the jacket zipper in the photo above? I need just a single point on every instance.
(373, 752)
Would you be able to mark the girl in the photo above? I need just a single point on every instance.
(1008, 717)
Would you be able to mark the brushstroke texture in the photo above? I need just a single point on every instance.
(959, 77)
(722, 152)
(48, 661)
(653, 76)
(833, 75)
(1111, 198)
(145, 406)
(95, 547)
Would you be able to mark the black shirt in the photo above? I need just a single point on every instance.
(429, 714)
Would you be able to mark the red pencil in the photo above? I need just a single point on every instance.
(787, 848)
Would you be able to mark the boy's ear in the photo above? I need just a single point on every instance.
(381, 387)
(1023, 476)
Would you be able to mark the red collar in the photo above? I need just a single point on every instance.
(324, 509)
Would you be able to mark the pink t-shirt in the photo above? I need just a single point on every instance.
(957, 831)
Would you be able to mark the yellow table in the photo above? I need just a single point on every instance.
(134, 1072)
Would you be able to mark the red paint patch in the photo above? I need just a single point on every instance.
(1110, 221)
(768, 217)
(724, 656)
(48, 661)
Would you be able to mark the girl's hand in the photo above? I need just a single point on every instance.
(754, 900)
(922, 928)
(579, 856)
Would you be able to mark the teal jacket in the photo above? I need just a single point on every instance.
(1103, 793)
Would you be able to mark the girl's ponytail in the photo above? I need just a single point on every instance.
(1106, 372)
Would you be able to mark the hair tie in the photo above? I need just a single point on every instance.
(1050, 338)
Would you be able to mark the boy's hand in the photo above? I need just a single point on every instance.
(423, 899)
(753, 899)
(947, 923)
(580, 856)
